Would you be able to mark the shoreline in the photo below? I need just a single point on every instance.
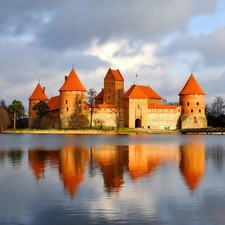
(103, 132)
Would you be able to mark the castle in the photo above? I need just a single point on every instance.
(142, 106)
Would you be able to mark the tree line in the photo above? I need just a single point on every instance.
(14, 115)
(215, 112)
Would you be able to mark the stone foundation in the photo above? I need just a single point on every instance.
(193, 121)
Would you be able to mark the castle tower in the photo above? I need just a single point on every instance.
(37, 95)
(113, 82)
(71, 88)
(192, 101)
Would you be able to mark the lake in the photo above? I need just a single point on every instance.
(112, 179)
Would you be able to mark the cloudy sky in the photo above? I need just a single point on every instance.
(162, 41)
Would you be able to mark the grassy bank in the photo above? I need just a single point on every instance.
(104, 130)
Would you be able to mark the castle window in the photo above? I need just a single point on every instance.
(191, 110)
(199, 110)
(109, 90)
(188, 103)
(109, 97)
(197, 103)
(67, 109)
(66, 101)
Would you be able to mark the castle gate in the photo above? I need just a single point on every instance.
(137, 122)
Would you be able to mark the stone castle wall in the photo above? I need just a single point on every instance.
(164, 121)
(106, 118)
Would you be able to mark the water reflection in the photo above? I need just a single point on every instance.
(137, 161)
(192, 163)
(153, 182)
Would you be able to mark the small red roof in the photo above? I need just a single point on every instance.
(163, 106)
(150, 92)
(38, 94)
(100, 95)
(72, 83)
(191, 87)
(53, 103)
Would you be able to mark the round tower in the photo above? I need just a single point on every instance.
(71, 91)
(37, 96)
(192, 101)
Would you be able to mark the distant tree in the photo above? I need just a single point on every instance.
(79, 119)
(4, 118)
(3, 103)
(42, 110)
(173, 103)
(215, 113)
(207, 110)
(118, 109)
(16, 109)
(164, 101)
(218, 106)
(91, 101)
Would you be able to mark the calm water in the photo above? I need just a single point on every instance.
(124, 179)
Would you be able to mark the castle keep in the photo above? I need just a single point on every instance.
(142, 106)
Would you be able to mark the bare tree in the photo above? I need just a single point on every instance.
(118, 109)
(4, 118)
(164, 101)
(78, 119)
(3, 103)
(91, 102)
(218, 106)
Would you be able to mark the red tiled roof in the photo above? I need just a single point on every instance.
(100, 94)
(53, 103)
(135, 92)
(139, 91)
(191, 87)
(38, 94)
(115, 74)
(107, 106)
(102, 106)
(150, 92)
(163, 106)
(72, 83)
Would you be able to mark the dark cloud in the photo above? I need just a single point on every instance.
(74, 24)
(211, 48)
(41, 40)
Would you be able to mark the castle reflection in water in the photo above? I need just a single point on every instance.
(74, 163)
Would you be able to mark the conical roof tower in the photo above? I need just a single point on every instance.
(192, 100)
